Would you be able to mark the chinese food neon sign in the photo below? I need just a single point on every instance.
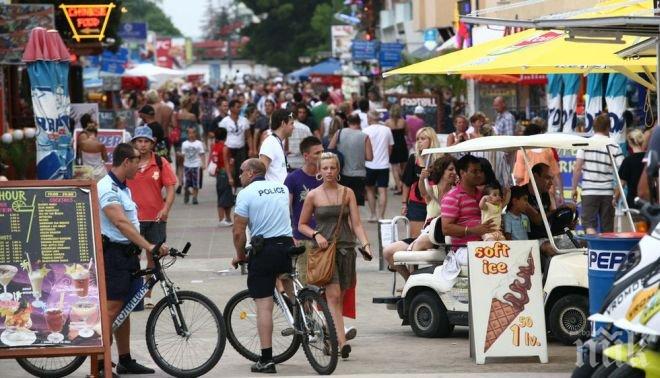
(88, 21)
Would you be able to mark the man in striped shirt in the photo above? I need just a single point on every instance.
(598, 181)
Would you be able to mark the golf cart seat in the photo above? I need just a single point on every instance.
(427, 257)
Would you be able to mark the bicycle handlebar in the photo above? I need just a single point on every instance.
(172, 252)
(649, 211)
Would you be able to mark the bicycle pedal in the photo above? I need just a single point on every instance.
(288, 332)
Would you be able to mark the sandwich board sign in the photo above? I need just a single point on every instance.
(51, 270)
(506, 300)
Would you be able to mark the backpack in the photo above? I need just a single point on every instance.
(175, 135)
(335, 151)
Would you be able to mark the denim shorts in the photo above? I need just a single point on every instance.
(416, 211)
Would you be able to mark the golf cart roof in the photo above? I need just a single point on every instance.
(507, 143)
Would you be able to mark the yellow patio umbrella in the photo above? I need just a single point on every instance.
(544, 52)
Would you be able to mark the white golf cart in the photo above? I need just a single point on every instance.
(432, 309)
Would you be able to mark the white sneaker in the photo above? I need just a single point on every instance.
(350, 332)
(224, 223)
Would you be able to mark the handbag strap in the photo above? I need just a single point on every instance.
(341, 214)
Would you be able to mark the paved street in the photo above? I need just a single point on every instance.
(382, 346)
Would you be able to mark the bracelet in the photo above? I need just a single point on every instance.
(404, 203)
(466, 231)
(366, 244)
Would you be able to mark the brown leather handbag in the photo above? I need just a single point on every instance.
(321, 261)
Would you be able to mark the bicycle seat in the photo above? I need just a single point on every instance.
(295, 251)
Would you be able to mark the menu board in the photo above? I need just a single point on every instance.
(432, 108)
(506, 309)
(48, 267)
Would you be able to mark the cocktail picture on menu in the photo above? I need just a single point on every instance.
(507, 317)
(48, 274)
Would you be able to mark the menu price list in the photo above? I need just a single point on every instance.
(52, 226)
(49, 288)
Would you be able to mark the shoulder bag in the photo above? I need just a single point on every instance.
(321, 261)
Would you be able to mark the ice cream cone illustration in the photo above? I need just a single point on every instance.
(504, 311)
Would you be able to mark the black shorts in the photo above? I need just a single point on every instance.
(239, 155)
(223, 189)
(357, 184)
(154, 232)
(379, 178)
(416, 211)
(119, 268)
(264, 268)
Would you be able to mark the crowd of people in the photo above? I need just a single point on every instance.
(297, 166)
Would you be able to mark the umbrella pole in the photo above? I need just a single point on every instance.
(657, 81)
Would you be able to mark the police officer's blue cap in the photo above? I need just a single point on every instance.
(143, 132)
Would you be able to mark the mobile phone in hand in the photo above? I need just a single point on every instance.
(364, 253)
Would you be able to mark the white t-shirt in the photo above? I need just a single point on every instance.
(274, 150)
(300, 132)
(381, 139)
(364, 120)
(235, 131)
(191, 153)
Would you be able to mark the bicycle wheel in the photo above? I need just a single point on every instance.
(241, 317)
(51, 367)
(198, 351)
(320, 345)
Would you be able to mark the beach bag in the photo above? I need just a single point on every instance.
(321, 261)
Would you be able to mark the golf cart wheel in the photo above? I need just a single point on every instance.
(568, 318)
(603, 371)
(428, 316)
(627, 371)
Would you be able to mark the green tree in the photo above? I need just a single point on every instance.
(148, 11)
(418, 83)
(292, 29)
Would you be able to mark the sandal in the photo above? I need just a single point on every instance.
(391, 269)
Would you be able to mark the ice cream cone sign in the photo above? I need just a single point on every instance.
(506, 299)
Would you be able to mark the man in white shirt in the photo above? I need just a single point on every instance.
(378, 169)
(363, 108)
(272, 152)
(238, 136)
(300, 132)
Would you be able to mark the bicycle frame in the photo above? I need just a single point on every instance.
(297, 287)
(157, 275)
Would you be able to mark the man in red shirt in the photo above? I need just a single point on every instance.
(154, 174)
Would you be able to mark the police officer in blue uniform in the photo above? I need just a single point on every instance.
(264, 207)
(122, 243)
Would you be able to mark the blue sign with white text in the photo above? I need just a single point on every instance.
(364, 50)
(390, 55)
(135, 31)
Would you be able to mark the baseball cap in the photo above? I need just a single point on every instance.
(148, 110)
(419, 109)
(143, 132)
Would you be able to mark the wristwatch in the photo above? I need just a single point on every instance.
(314, 234)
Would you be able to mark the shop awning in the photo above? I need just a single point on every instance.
(543, 52)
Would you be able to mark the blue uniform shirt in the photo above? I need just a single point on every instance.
(112, 192)
(266, 205)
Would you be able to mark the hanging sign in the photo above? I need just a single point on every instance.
(88, 21)
(506, 314)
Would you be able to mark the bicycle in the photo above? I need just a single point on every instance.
(306, 320)
(172, 348)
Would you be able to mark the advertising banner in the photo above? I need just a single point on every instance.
(594, 101)
(506, 300)
(432, 110)
(615, 98)
(48, 269)
(133, 31)
(569, 101)
(163, 58)
(47, 61)
(16, 21)
(554, 103)
(110, 138)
